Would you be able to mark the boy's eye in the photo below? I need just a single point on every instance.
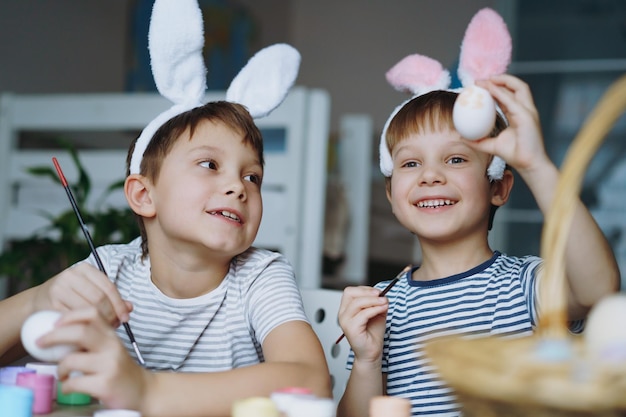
(253, 178)
(410, 164)
(456, 160)
(208, 164)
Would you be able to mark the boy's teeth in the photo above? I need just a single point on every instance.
(435, 203)
(230, 215)
(227, 214)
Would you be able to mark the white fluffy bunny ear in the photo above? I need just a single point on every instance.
(266, 79)
(486, 48)
(176, 40)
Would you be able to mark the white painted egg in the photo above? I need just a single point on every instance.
(474, 113)
(36, 326)
(605, 331)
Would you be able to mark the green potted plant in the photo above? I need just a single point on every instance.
(32, 260)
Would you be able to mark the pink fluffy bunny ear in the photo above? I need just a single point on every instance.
(418, 74)
(486, 48)
(415, 74)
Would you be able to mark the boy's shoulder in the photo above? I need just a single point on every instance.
(125, 250)
(505, 261)
(256, 266)
(259, 259)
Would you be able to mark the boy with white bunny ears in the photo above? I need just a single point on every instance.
(215, 319)
(443, 188)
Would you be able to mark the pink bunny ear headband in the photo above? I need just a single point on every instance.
(485, 51)
(175, 41)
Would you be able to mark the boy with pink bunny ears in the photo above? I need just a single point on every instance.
(445, 188)
(215, 319)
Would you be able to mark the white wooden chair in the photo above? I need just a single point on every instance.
(321, 307)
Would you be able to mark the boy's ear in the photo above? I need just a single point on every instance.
(388, 188)
(137, 191)
(501, 189)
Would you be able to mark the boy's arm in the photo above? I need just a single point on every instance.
(76, 287)
(292, 351)
(591, 268)
(13, 312)
(362, 316)
(366, 381)
(293, 358)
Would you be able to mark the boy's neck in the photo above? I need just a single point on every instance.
(440, 261)
(184, 275)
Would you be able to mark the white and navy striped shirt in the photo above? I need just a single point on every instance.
(218, 331)
(495, 298)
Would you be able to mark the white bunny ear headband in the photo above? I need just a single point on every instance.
(485, 51)
(175, 41)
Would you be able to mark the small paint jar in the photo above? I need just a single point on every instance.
(43, 385)
(8, 374)
(288, 398)
(312, 407)
(47, 369)
(72, 398)
(254, 407)
(16, 401)
(117, 413)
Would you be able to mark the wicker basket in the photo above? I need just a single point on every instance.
(512, 377)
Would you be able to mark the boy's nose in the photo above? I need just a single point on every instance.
(430, 174)
(235, 186)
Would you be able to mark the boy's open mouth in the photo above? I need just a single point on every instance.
(227, 214)
(435, 203)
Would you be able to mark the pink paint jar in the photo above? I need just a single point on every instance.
(45, 368)
(43, 387)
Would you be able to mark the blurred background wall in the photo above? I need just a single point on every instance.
(568, 50)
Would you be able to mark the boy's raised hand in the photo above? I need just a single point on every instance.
(83, 286)
(362, 317)
(521, 144)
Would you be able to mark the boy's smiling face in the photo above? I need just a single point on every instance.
(208, 192)
(439, 189)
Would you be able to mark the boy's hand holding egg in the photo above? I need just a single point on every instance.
(474, 113)
(36, 326)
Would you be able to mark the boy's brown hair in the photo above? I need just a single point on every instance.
(232, 115)
(430, 112)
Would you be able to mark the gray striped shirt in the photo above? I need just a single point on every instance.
(218, 331)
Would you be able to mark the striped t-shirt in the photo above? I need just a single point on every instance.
(217, 331)
(495, 298)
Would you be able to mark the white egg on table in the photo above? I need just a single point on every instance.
(36, 326)
(474, 113)
(605, 331)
